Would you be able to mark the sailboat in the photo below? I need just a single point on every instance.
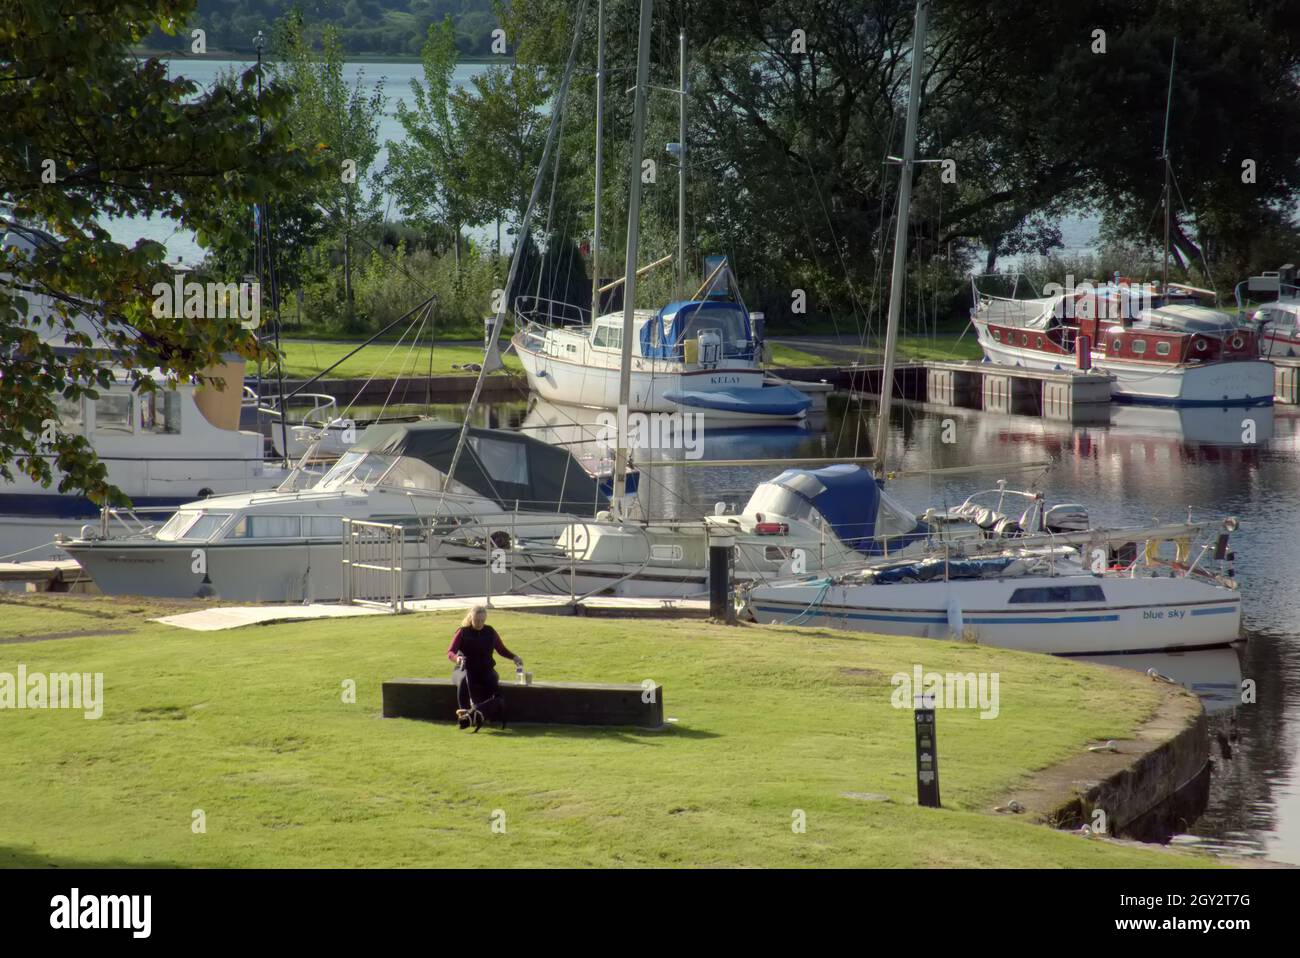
(1066, 595)
(699, 355)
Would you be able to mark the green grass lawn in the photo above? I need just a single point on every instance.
(783, 355)
(305, 358)
(250, 727)
(943, 346)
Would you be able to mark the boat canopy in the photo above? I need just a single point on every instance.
(662, 337)
(848, 497)
(511, 468)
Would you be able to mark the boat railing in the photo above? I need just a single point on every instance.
(129, 522)
(540, 311)
(387, 564)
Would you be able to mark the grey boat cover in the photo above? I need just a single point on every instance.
(517, 471)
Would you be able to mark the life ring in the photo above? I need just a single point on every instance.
(1182, 550)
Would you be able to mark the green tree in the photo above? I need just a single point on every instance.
(91, 132)
(428, 172)
(345, 121)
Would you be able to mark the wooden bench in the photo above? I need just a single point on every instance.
(561, 703)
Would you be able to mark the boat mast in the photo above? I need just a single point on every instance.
(600, 156)
(900, 236)
(521, 235)
(681, 171)
(1164, 155)
(629, 265)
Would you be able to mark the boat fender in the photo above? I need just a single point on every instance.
(956, 623)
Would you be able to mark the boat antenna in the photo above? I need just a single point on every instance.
(900, 236)
(1164, 156)
(629, 265)
(522, 234)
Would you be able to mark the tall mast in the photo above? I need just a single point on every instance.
(629, 265)
(521, 236)
(1164, 156)
(900, 236)
(600, 156)
(681, 172)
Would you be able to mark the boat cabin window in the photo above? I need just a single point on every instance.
(608, 336)
(160, 412)
(1060, 593)
(329, 527)
(113, 414)
(503, 461)
(69, 412)
(729, 324)
(1162, 349)
(197, 525)
(1139, 346)
(265, 527)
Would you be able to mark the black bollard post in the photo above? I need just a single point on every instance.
(721, 550)
(927, 753)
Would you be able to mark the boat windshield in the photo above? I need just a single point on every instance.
(355, 469)
(392, 472)
(772, 499)
(196, 526)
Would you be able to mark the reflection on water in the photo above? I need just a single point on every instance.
(1146, 464)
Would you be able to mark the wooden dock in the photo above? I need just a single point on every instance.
(59, 575)
(1065, 395)
(1286, 379)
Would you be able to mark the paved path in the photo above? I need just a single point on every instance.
(234, 617)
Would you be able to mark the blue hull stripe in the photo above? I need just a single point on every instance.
(924, 619)
(1222, 611)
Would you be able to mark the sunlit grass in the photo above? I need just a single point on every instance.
(251, 728)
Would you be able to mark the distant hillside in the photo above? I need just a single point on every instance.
(367, 27)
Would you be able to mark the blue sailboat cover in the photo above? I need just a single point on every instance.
(662, 337)
(850, 499)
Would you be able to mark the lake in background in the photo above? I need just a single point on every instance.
(1079, 233)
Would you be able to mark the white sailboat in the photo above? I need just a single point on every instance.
(699, 355)
(1063, 598)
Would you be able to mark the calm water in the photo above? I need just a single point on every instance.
(1144, 464)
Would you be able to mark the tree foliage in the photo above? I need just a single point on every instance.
(118, 138)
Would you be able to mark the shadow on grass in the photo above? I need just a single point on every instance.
(630, 734)
(12, 857)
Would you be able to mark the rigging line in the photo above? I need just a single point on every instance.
(524, 226)
(550, 209)
(1179, 191)
(375, 372)
(882, 233)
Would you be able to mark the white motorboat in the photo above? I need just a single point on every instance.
(287, 545)
(1036, 600)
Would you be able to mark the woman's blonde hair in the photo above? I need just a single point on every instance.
(468, 621)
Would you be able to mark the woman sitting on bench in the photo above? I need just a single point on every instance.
(475, 676)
